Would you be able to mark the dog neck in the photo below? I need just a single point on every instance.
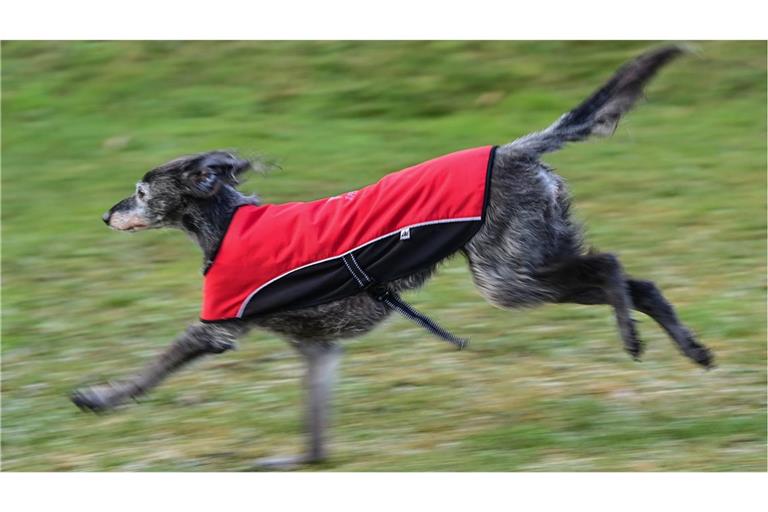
(206, 222)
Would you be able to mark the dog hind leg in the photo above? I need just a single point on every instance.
(648, 299)
(601, 272)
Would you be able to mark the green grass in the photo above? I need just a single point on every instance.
(679, 193)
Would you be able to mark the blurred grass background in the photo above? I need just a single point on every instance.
(679, 193)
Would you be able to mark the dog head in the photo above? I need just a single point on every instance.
(165, 194)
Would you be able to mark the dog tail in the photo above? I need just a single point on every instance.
(600, 113)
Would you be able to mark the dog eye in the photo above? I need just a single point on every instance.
(140, 194)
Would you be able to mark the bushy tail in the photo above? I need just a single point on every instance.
(600, 113)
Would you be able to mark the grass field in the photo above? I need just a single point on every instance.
(679, 193)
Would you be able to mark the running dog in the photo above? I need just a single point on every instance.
(504, 209)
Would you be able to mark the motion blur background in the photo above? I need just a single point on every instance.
(679, 193)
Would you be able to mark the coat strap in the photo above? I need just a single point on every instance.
(392, 300)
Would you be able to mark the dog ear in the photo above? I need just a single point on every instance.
(213, 169)
(201, 181)
(227, 166)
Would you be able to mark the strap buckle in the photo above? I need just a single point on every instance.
(379, 291)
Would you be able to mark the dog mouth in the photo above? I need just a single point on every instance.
(131, 228)
(137, 227)
(128, 221)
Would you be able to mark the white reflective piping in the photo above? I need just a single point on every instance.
(352, 271)
(357, 266)
(241, 311)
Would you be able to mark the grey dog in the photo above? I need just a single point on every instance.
(529, 251)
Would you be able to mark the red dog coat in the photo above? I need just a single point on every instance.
(279, 257)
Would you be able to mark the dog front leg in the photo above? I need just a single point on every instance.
(322, 364)
(197, 340)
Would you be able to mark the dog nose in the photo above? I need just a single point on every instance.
(106, 217)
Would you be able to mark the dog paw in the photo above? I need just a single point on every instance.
(703, 356)
(632, 342)
(697, 352)
(94, 398)
(635, 350)
(282, 463)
